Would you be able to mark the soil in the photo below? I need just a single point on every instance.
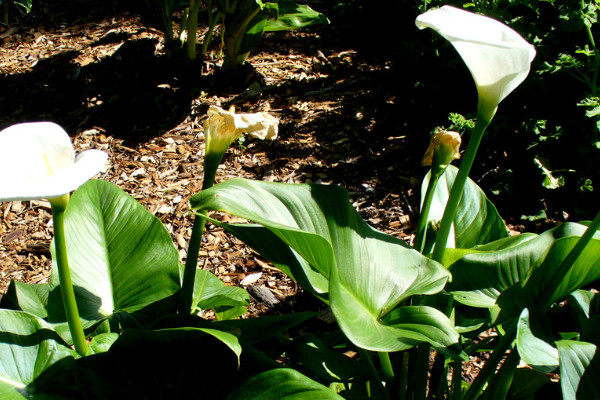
(96, 69)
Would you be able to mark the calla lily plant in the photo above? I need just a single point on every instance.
(499, 60)
(221, 129)
(37, 161)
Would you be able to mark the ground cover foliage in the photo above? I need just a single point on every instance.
(356, 111)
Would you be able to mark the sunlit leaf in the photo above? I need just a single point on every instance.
(323, 240)
(535, 342)
(283, 384)
(121, 256)
(28, 346)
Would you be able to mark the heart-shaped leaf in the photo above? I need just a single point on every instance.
(547, 283)
(121, 256)
(369, 272)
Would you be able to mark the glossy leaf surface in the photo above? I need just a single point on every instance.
(366, 272)
(121, 256)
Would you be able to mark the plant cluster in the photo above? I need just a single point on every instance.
(241, 23)
(24, 5)
(556, 122)
(120, 315)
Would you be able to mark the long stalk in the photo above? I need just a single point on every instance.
(500, 384)
(491, 364)
(366, 357)
(420, 236)
(192, 29)
(421, 371)
(212, 22)
(457, 380)
(59, 206)
(183, 27)
(458, 186)
(388, 374)
(5, 13)
(211, 163)
(403, 381)
(233, 41)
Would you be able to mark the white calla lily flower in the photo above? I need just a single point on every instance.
(223, 127)
(37, 161)
(498, 57)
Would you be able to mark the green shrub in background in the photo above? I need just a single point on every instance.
(4, 6)
(551, 133)
(241, 22)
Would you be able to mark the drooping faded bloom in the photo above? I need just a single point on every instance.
(37, 161)
(447, 146)
(498, 57)
(223, 127)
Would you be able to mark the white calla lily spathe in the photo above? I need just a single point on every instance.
(223, 127)
(37, 161)
(498, 57)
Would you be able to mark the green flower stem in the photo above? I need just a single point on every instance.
(436, 171)
(183, 26)
(366, 357)
(457, 380)
(404, 372)
(422, 371)
(5, 13)
(59, 205)
(192, 29)
(499, 385)
(388, 373)
(565, 266)
(489, 369)
(211, 163)
(459, 183)
(212, 21)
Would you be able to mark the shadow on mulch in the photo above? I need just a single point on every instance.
(134, 94)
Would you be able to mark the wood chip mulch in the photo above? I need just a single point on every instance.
(90, 72)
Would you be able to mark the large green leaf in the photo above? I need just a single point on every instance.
(476, 222)
(369, 272)
(535, 342)
(548, 284)
(579, 369)
(293, 16)
(28, 346)
(283, 384)
(480, 277)
(121, 256)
